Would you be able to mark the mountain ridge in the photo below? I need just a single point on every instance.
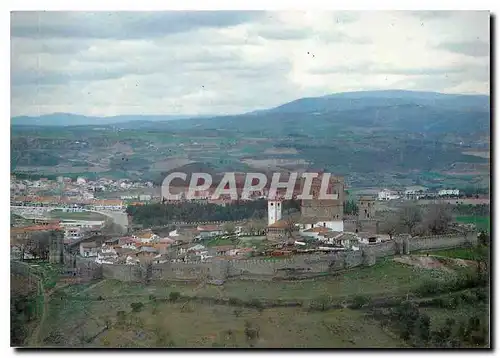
(336, 102)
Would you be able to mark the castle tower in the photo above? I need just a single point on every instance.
(366, 210)
(325, 209)
(56, 247)
(273, 211)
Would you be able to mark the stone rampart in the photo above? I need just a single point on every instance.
(282, 268)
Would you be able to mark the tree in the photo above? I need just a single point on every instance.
(391, 226)
(437, 219)
(229, 228)
(410, 217)
(350, 207)
(38, 245)
(290, 227)
(256, 226)
(483, 239)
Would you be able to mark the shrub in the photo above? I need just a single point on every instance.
(152, 298)
(322, 303)
(256, 304)
(251, 331)
(429, 288)
(136, 306)
(100, 298)
(360, 301)
(174, 296)
(235, 301)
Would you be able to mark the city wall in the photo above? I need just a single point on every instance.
(296, 267)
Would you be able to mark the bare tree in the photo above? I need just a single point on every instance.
(391, 226)
(410, 217)
(290, 227)
(256, 227)
(229, 228)
(38, 245)
(437, 218)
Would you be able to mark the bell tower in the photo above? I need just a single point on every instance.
(273, 211)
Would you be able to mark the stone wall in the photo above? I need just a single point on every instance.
(285, 268)
(442, 241)
(127, 273)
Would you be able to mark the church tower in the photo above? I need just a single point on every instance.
(273, 211)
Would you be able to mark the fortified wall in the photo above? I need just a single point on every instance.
(296, 267)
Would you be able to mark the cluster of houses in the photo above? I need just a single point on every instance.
(193, 244)
(416, 192)
(179, 245)
(80, 191)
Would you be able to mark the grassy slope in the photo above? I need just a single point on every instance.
(481, 222)
(387, 277)
(58, 214)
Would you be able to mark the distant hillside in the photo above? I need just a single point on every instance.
(68, 119)
(367, 99)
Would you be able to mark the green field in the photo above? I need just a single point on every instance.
(86, 215)
(100, 314)
(77, 323)
(387, 277)
(458, 253)
(481, 222)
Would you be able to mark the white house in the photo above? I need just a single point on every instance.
(415, 192)
(173, 233)
(387, 194)
(81, 181)
(196, 248)
(73, 233)
(449, 192)
(88, 249)
(113, 205)
(131, 260)
(209, 231)
(107, 255)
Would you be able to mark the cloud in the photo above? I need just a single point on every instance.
(432, 15)
(121, 25)
(234, 62)
(474, 49)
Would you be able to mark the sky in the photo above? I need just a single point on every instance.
(230, 62)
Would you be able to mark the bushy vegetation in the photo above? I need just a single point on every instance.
(22, 312)
(136, 306)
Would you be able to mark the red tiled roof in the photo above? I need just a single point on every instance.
(280, 224)
(209, 228)
(318, 229)
(20, 230)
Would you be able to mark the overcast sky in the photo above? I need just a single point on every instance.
(233, 62)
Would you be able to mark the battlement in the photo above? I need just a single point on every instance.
(296, 266)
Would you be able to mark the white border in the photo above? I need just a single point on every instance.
(183, 5)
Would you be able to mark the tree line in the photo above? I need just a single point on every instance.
(160, 214)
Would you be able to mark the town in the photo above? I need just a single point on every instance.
(313, 230)
(250, 179)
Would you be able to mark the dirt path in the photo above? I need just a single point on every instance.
(35, 339)
(97, 284)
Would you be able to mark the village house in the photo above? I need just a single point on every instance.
(112, 205)
(209, 231)
(107, 255)
(223, 250)
(387, 194)
(147, 252)
(146, 236)
(89, 249)
(415, 192)
(449, 192)
(128, 243)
